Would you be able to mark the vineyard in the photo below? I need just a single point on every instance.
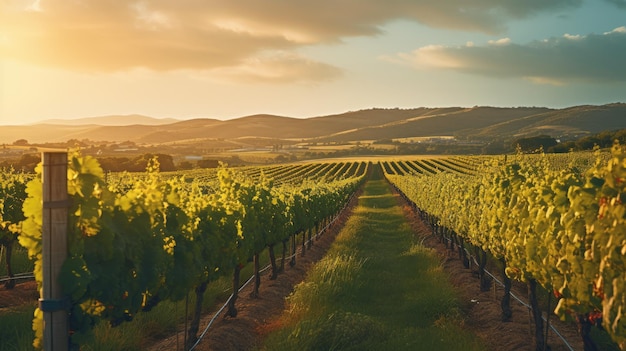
(136, 240)
(554, 221)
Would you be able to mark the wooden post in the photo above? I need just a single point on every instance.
(54, 242)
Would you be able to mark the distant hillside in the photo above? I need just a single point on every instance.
(372, 124)
(574, 121)
(438, 122)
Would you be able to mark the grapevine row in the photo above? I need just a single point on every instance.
(12, 195)
(162, 237)
(563, 228)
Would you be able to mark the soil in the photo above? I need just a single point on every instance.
(23, 293)
(259, 316)
(482, 308)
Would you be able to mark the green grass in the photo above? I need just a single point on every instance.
(15, 329)
(163, 320)
(19, 260)
(375, 290)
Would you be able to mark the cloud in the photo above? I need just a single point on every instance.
(500, 42)
(279, 67)
(165, 35)
(618, 3)
(562, 60)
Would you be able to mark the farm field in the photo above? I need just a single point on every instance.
(377, 288)
(274, 182)
(330, 175)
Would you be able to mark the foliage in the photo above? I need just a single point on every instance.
(603, 140)
(536, 143)
(563, 227)
(136, 164)
(375, 289)
(156, 238)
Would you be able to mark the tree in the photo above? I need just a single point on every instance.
(208, 163)
(27, 162)
(185, 165)
(533, 144)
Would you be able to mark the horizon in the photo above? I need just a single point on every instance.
(85, 120)
(225, 60)
(366, 124)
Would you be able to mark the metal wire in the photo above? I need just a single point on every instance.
(298, 251)
(523, 303)
(19, 276)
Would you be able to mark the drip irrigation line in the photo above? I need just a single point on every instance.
(19, 276)
(498, 281)
(298, 251)
(515, 296)
(31, 275)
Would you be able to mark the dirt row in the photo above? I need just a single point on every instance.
(259, 316)
(482, 308)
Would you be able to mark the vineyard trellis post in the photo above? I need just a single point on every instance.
(54, 243)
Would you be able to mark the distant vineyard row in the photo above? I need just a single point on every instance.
(140, 238)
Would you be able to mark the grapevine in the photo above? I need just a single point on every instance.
(140, 240)
(559, 226)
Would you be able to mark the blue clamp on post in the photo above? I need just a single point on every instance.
(51, 305)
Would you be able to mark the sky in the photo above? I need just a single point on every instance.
(67, 59)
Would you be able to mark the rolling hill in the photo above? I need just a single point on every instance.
(371, 124)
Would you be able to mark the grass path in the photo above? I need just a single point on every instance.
(376, 289)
